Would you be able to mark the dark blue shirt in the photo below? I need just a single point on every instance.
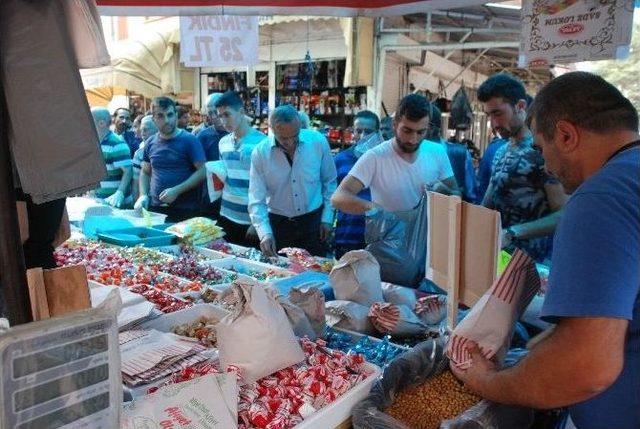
(596, 273)
(350, 228)
(171, 164)
(484, 168)
(209, 138)
(131, 140)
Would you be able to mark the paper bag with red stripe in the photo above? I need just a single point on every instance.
(394, 319)
(491, 321)
(431, 309)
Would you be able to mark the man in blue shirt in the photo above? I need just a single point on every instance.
(122, 128)
(172, 169)
(349, 232)
(484, 168)
(588, 134)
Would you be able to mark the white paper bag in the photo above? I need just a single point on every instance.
(257, 337)
(349, 315)
(399, 295)
(491, 322)
(216, 178)
(311, 301)
(356, 277)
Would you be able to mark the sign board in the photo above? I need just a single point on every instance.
(218, 41)
(569, 31)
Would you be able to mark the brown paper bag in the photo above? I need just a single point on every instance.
(356, 278)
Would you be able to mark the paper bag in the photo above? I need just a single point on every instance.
(431, 309)
(257, 337)
(399, 295)
(297, 317)
(490, 323)
(397, 320)
(349, 315)
(311, 301)
(356, 277)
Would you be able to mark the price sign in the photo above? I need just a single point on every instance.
(214, 41)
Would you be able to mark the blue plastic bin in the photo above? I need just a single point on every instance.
(147, 237)
(308, 278)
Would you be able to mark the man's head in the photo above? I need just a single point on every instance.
(101, 119)
(411, 122)
(147, 127)
(136, 125)
(505, 102)
(212, 117)
(386, 127)
(122, 119)
(182, 113)
(365, 124)
(572, 116)
(230, 109)
(163, 110)
(285, 123)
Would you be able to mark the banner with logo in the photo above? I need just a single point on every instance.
(215, 41)
(568, 31)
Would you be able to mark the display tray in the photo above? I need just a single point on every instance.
(174, 250)
(241, 251)
(128, 237)
(258, 270)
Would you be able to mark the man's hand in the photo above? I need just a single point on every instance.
(268, 246)
(116, 199)
(325, 231)
(251, 234)
(143, 202)
(479, 375)
(169, 195)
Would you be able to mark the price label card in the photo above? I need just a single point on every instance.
(215, 41)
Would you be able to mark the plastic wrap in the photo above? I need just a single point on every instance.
(398, 242)
(490, 415)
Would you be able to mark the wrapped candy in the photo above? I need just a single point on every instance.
(302, 260)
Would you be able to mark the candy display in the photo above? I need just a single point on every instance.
(203, 329)
(197, 231)
(249, 253)
(163, 302)
(144, 255)
(377, 352)
(424, 406)
(302, 260)
(188, 267)
(184, 250)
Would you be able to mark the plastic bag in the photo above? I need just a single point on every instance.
(349, 315)
(398, 320)
(398, 241)
(411, 368)
(399, 295)
(356, 277)
(216, 177)
(311, 301)
(197, 231)
(461, 112)
(491, 415)
(491, 321)
(257, 337)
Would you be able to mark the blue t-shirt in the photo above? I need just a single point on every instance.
(171, 164)
(596, 273)
(350, 228)
(209, 138)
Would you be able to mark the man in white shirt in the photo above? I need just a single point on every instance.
(399, 170)
(292, 179)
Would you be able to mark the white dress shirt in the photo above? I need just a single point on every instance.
(291, 190)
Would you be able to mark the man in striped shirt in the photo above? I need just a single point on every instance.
(235, 151)
(117, 157)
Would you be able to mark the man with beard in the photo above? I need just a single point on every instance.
(172, 167)
(398, 170)
(528, 198)
(122, 128)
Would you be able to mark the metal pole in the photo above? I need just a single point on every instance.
(14, 293)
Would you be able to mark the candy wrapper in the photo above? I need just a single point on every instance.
(301, 260)
(491, 321)
(394, 319)
(356, 277)
(311, 301)
(198, 231)
(379, 352)
(349, 315)
(203, 329)
(256, 337)
(216, 177)
(207, 402)
(431, 309)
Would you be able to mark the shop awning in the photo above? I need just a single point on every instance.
(277, 7)
(148, 66)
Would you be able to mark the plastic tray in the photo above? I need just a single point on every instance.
(147, 237)
(208, 253)
(339, 412)
(241, 266)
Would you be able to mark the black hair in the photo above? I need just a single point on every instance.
(115, 113)
(163, 102)
(368, 114)
(414, 107)
(502, 85)
(229, 99)
(584, 99)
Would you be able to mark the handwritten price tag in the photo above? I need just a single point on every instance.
(214, 41)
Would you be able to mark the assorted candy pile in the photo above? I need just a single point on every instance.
(190, 268)
(380, 352)
(250, 254)
(301, 260)
(203, 329)
(163, 302)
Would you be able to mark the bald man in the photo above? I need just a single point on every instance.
(117, 158)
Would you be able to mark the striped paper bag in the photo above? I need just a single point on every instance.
(491, 322)
(394, 319)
